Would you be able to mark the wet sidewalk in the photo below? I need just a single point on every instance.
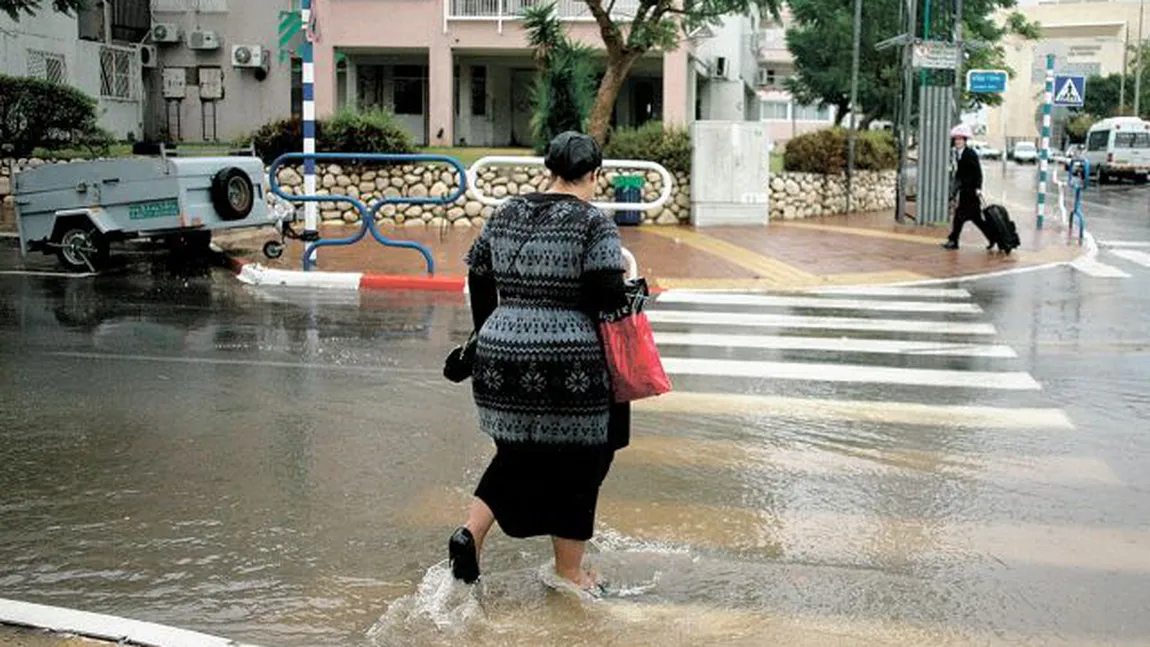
(840, 250)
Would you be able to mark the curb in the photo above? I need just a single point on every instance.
(105, 627)
(253, 273)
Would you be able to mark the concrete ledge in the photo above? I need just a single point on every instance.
(105, 627)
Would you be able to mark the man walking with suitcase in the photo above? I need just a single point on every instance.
(967, 185)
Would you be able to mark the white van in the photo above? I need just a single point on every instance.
(1119, 147)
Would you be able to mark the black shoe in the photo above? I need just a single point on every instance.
(950, 244)
(461, 552)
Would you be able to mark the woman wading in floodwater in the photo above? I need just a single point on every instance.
(543, 269)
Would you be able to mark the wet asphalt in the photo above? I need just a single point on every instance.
(283, 467)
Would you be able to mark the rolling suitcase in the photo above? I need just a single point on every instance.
(1001, 228)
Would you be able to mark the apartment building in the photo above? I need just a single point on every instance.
(460, 71)
(95, 51)
(1087, 37)
(785, 118)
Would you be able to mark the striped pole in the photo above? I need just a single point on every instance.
(310, 208)
(1044, 154)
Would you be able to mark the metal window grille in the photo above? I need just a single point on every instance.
(47, 66)
(202, 6)
(117, 73)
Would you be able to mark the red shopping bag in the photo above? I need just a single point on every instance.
(632, 358)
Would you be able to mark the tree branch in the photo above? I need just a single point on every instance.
(607, 27)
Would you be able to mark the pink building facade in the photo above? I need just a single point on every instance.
(458, 72)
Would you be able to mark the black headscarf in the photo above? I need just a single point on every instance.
(572, 155)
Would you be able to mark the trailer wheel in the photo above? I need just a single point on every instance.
(273, 249)
(232, 193)
(82, 248)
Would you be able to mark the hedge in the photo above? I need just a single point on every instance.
(825, 151)
(38, 114)
(652, 142)
(374, 131)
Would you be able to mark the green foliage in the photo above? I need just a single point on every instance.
(652, 142)
(826, 151)
(1104, 93)
(14, 8)
(1078, 126)
(35, 113)
(347, 132)
(374, 131)
(564, 89)
(821, 40)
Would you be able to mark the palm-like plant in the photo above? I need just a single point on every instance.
(564, 89)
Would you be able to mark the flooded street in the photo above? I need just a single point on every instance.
(954, 465)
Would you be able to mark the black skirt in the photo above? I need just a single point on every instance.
(539, 490)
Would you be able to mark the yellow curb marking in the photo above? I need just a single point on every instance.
(866, 233)
(770, 270)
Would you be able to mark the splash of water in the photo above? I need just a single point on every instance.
(441, 604)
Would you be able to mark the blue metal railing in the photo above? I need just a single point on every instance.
(367, 213)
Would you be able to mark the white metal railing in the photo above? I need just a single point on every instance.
(505, 10)
(500, 160)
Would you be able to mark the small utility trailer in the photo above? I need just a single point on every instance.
(77, 210)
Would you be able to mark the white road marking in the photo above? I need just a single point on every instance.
(835, 344)
(1091, 267)
(659, 315)
(893, 291)
(771, 301)
(934, 416)
(1125, 243)
(1140, 258)
(855, 373)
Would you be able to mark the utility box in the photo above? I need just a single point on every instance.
(730, 173)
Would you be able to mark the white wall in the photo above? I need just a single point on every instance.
(57, 33)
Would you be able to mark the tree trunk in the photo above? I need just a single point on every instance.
(618, 67)
(841, 114)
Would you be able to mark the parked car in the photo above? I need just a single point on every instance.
(77, 210)
(1119, 148)
(986, 151)
(1025, 153)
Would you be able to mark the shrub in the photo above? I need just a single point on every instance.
(564, 90)
(374, 131)
(347, 132)
(826, 151)
(670, 147)
(36, 113)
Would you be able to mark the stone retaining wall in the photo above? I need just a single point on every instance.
(792, 195)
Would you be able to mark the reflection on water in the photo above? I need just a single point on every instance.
(284, 468)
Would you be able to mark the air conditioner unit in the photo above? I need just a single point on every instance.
(203, 40)
(249, 56)
(147, 56)
(165, 32)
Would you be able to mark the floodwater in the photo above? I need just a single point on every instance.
(284, 468)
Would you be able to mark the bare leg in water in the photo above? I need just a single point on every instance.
(569, 562)
(480, 518)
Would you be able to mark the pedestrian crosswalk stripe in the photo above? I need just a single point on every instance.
(774, 301)
(1093, 268)
(660, 315)
(1125, 243)
(895, 291)
(740, 456)
(1141, 258)
(857, 373)
(935, 416)
(835, 344)
(803, 534)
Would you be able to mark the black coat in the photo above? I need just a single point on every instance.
(968, 182)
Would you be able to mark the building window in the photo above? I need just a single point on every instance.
(407, 87)
(479, 91)
(812, 113)
(47, 66)
(455, 78)
(116, 73)
(775, 110)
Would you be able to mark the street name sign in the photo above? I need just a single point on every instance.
(986, 81)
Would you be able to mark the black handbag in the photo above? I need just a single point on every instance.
(461, 360)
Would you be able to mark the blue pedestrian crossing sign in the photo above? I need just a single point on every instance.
(1069, 91)
(986, 81)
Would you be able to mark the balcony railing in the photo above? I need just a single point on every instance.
(503, 10)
